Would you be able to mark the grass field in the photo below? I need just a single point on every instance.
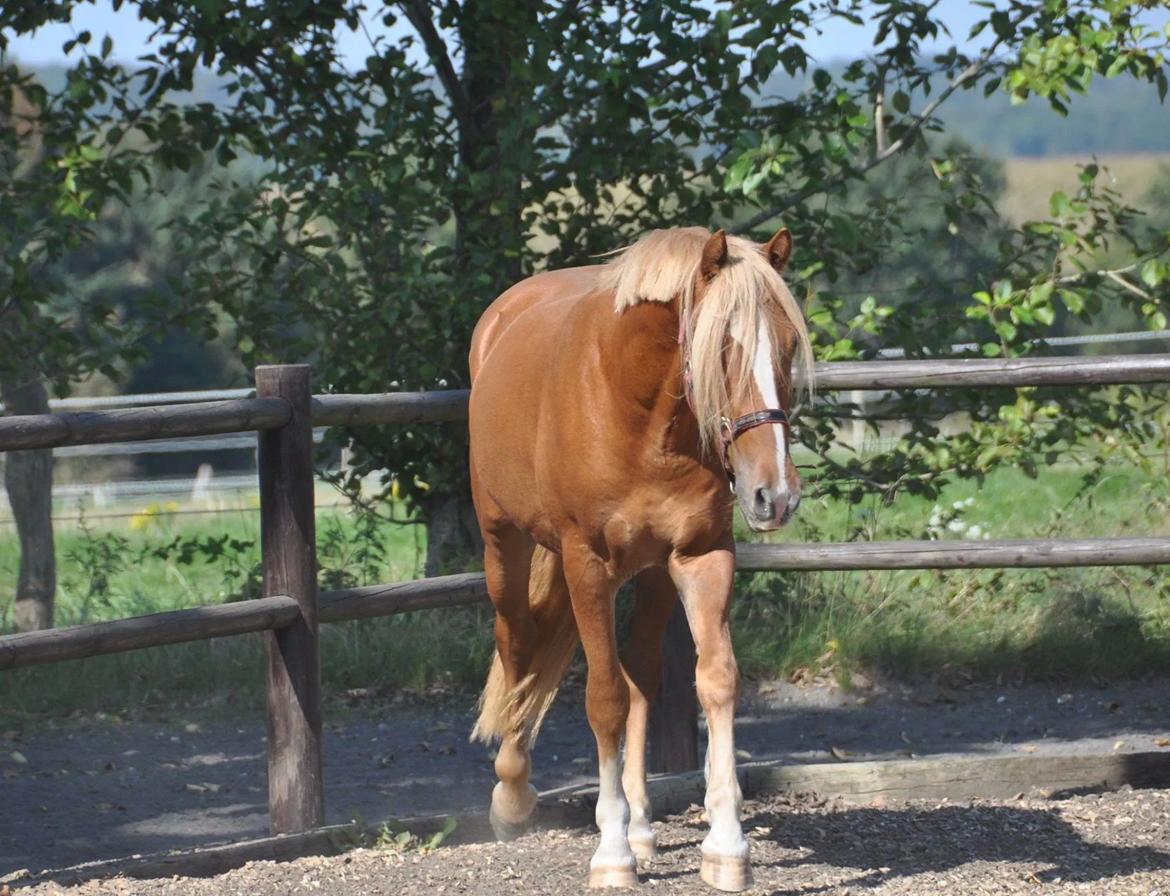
(1073, 623)
(1032, 181)
(964, 624)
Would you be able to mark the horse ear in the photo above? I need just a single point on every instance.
(778, 249)
(714, 255)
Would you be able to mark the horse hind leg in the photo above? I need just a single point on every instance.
(507, 554)
(656, 596)
(535, 639)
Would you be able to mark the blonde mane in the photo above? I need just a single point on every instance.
(664, 265)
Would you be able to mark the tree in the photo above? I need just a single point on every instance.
(62, 163)
(482, 140)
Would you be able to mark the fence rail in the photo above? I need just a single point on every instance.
(284, 414)
(1025, 554)
(468, 589)
(76, 642)
(1104, 370)
(142, 424)
(258, 414)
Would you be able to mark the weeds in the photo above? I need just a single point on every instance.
(96, 558)
(394, 836)
(237, 561)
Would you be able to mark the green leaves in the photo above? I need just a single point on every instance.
(369, 212)
(1154, 272)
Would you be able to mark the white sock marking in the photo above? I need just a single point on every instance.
(613, 818)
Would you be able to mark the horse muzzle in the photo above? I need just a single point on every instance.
(766, 508)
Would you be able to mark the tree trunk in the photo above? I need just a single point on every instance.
(453, 540)
(495, 153)
(488, 203)
(28, 479)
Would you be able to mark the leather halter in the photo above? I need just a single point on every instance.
(729, 429)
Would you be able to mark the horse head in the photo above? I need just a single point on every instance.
(742, 306)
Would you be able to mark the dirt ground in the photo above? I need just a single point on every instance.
(1115, 843)
(106, 790)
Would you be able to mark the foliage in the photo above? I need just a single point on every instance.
(67, 162)
(479, 142)
(352, 552)
(98, 558)
(236, 559)
(396, 837)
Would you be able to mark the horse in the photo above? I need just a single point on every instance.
(618, 411)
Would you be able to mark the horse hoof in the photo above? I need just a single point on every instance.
(644, 848)
(612, 877)
(728, 873)
(507, 831)
(516, 817)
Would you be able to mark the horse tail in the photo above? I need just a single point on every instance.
(520, 711)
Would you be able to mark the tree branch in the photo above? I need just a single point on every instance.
(1115, 275)
(419, 16)
(882, 155)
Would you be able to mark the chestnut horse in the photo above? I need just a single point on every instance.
(611, 407)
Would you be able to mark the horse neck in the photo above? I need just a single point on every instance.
(649, 370)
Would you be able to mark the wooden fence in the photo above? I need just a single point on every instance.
(283, 414)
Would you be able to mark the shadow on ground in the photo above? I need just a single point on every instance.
(108, 791)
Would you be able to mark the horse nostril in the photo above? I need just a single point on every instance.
(764, 506)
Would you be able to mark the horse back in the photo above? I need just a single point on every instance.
(549, 287)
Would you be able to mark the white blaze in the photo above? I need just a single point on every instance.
(765, 376)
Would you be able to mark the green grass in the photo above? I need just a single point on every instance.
(970, 624)
(981, 624)
(128, 569)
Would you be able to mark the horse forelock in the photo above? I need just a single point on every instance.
(747, 291)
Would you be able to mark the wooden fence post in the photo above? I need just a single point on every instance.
(674, 716)
(288, 546)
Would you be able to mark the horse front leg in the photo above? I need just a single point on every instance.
(655, 599)
(607, 703)
(705, 582)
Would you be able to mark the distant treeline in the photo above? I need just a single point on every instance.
(1116, 116)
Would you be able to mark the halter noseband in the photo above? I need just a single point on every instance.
(729, 429)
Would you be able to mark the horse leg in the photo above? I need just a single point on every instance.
(607, 702)
(705, 583)
(655, 596)
(507, 555)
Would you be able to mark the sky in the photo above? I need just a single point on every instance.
(132, 37)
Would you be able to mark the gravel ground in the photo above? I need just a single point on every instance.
(1114, 843)
(106, 790)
